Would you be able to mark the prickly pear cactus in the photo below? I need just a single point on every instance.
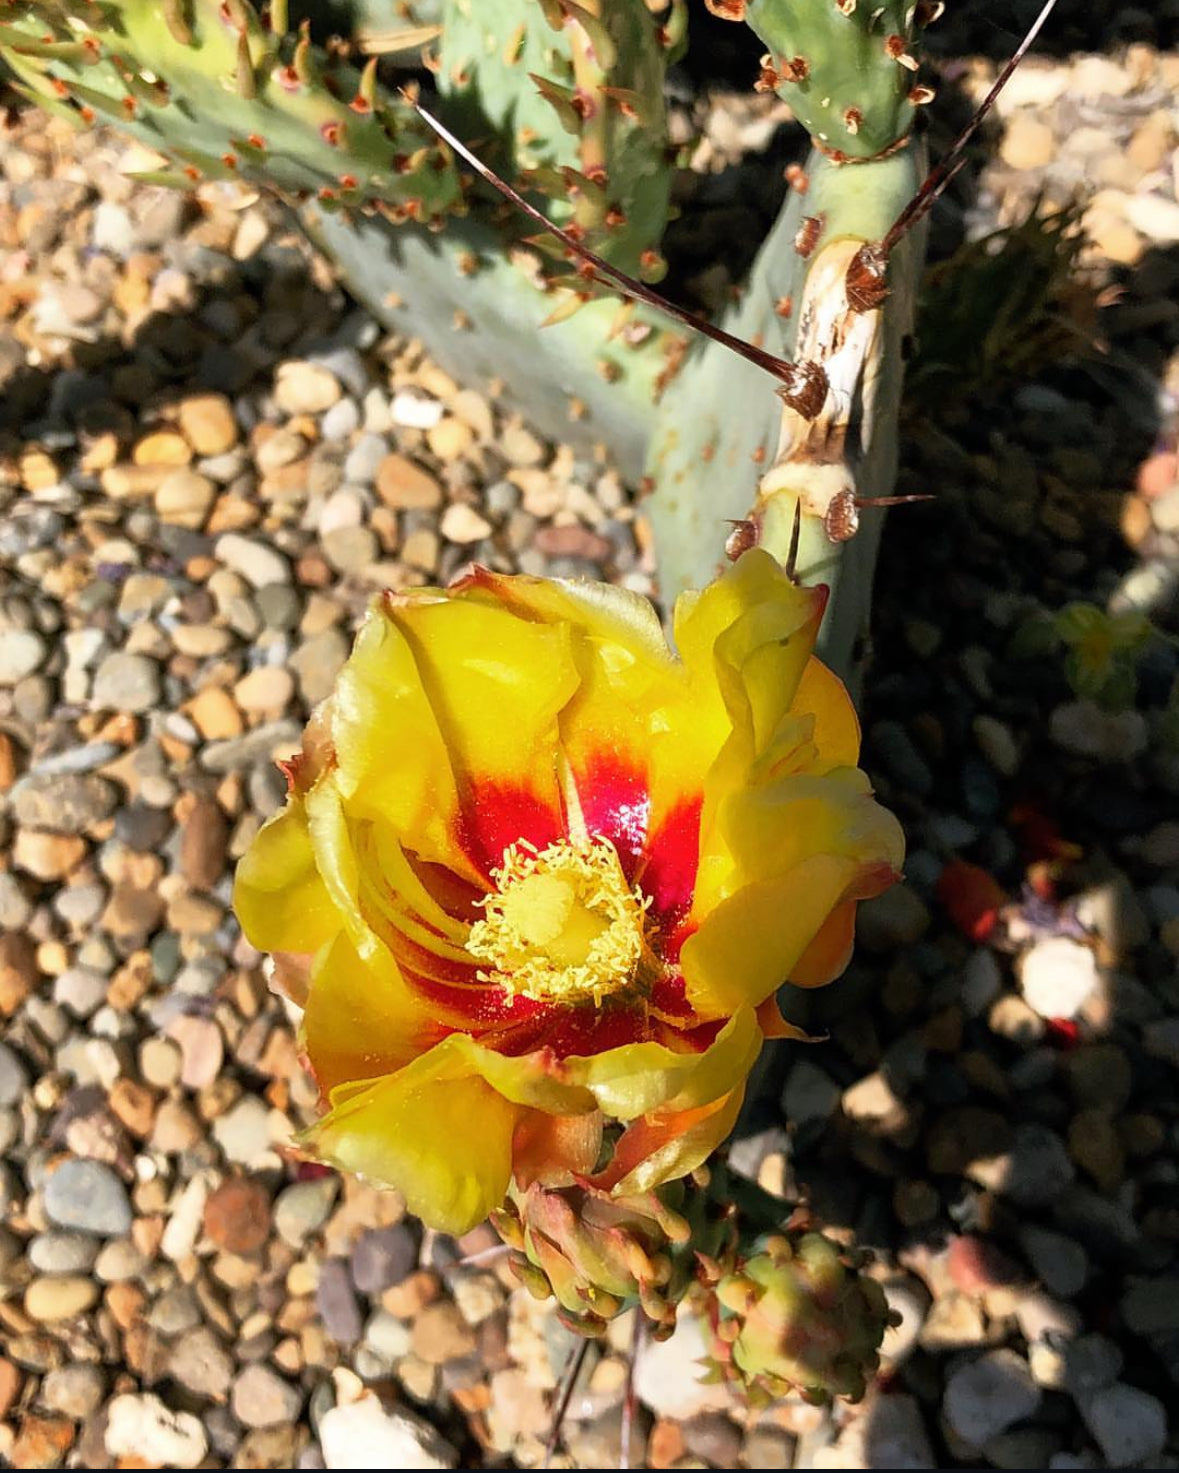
(846, 67)
(569, 97)
(226, 96)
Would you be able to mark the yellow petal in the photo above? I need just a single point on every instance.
(444, 1142)
(750, 943)
(823, 695)
(361, 1020)
(496, 684)
(393, 762)
(640, 1077)
(280, 899)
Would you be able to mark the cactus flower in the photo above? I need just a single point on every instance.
(538, 876)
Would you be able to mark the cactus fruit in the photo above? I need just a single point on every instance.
(798, 1315)
(599, 1255)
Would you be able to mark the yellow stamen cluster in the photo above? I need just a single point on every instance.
(562, 923)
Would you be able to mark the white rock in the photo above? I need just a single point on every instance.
(143, 1427)
(413, 410)
(667, 1375)
(1130, 1425)
(362, 1434)
(185, 1219)
(1057, 977)
(986, 1396)
(21, 651)
(1110, 736)
(258, 564)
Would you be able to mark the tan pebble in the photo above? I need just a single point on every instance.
(134, 1105)
(233, 514)
(277, 447)
(208, 424)
(450, 438)
(127, 482)
(159, 1062)
(201, 641)
(42, 1442)
(203, 844)
(1113, 236)
(305, 388)
(10, 1383)
(475, 411)
(184, 498)
(1029, 143)
(8, 762)
(266, 689)
(1151, 143)
(1135, 520)
(193, 915)
(162, 447)
(463, 524)
(350, 549)
(420, 549)
(214, 714)
(176, 1128)
(126, 1302)
(47, 856)
(408, 1298)
(37, 469)
(59, 1297)
(406, 486)
(132, 912)
(19, 972)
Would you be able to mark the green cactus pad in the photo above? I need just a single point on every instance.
(846, 67)
(574, 101)
(226, 97)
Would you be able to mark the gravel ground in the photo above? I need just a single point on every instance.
(208, 463)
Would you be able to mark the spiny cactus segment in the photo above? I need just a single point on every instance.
(226, 95)
(574, 93)
(848, 68)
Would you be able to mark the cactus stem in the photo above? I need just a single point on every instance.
(176, 20)
(280, 19)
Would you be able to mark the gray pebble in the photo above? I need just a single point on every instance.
(338, 1305)
(87, 1195)
(62, 1253)
(14, 1078)
(65, 804)
(383, 1257)
(126, 682)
